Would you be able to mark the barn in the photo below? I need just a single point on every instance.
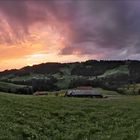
(88, 93)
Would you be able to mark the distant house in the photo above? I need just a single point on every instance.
(38, 93)
(89, 93)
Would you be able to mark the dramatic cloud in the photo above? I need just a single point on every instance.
(68, 29)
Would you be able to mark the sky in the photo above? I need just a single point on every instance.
(39, 31)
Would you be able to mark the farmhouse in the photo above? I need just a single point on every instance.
(83, 92)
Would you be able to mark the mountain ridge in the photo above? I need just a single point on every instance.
(47, 64)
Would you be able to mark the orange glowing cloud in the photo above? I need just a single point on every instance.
(42, 45)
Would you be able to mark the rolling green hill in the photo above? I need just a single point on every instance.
(58, 118)
(14, 88)
(112, 75)
(116, 71)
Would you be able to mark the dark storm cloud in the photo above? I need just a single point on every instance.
(105, 27)
(111, 26)
(15, 11)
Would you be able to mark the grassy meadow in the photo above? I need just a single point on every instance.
(60, 118)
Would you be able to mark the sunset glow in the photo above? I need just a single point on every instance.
(33, 32)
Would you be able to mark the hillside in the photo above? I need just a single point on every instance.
(58, 118)
(116, 71)
(14, 88)
(111, 75)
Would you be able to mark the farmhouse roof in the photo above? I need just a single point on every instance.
(84, 92)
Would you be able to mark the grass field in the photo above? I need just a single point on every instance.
(59, 118)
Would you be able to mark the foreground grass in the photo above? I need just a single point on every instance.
(59, 118)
